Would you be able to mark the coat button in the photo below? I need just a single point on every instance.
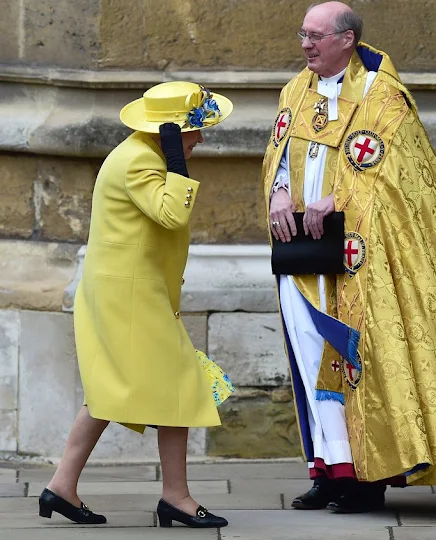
(190, 189)
(177, 314)
(187, 204)
(189, 196)
(183, 281)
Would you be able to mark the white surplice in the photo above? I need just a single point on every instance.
(327, 423)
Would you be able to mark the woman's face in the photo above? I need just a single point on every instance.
(189, 140)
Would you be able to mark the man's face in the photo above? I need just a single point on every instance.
(331, 54)
(189, 140)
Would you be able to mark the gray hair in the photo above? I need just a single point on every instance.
(349, 20)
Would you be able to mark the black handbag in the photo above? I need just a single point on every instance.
(304, 255)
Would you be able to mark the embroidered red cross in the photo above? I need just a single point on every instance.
(364, 149)
(350, 371)
(280, 125)
(336, 365)
(349, 252)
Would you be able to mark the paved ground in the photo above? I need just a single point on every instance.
(254, 497)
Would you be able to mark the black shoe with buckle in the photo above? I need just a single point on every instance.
(49, 502)
(202, 520)
(319, 496)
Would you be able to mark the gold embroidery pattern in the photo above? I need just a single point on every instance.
(396, 321)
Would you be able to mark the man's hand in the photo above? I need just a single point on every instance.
(315, 214)
(280, 211)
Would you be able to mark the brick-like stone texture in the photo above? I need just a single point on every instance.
(249, 347)
(256, 426)
(9, 347)
(63, 33)
(229, 207)
(196, 326)
(9, 31)
(17, 175)
(63, 197)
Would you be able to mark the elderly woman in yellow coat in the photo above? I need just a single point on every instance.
(137, 363)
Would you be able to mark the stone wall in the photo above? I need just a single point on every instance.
(66, 69)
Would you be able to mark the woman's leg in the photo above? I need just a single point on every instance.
(83, 436)
(172, 449)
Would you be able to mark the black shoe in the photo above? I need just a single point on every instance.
(364, 497)
(49, 502)
(318, 497)
(202, 520)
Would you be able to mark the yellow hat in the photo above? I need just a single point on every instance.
(187, 104)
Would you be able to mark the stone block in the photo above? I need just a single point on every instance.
(8, 431)
(34, 274)
(414, 533)
(414, 19)
(119, 523)
(13, 490)
(122, 33)
(16, 203)
(229, 207)
(179, 34)
(269, 486)
(255, 427)
(196, 326)
(290, 525)
(18, 527)
(249, 347)
(9, 31)
(62, 33)
(47, 382)
(9, 346)
(63, 196)
(8, 476)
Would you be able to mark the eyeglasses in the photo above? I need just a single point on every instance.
(315, 38)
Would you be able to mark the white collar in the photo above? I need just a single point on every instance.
(329, 88)
(334, 79)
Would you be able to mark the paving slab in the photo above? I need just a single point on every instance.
(104, 533)
(289, 525)
(414, 533)
(8, 476)
(197, 487)
(413, 508)
(265, 486)
(140, 473)
(13, 490)
(115, 520)
(216, 471)
(410, 490)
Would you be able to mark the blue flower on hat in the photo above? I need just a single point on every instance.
(211, 105)
(196, 117)
(206, 114)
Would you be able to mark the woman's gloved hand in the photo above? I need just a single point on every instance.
(172, 147)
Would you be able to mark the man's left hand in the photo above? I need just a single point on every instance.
(315, 214)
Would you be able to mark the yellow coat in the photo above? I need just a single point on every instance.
(137, 363)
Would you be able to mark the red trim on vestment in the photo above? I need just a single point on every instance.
(333, 472)
(346, 470)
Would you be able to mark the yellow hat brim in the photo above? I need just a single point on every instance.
(133, 116)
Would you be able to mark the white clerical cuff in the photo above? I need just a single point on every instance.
(280, 182)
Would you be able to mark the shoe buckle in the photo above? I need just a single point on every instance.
(201, 512)
(85, 509)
